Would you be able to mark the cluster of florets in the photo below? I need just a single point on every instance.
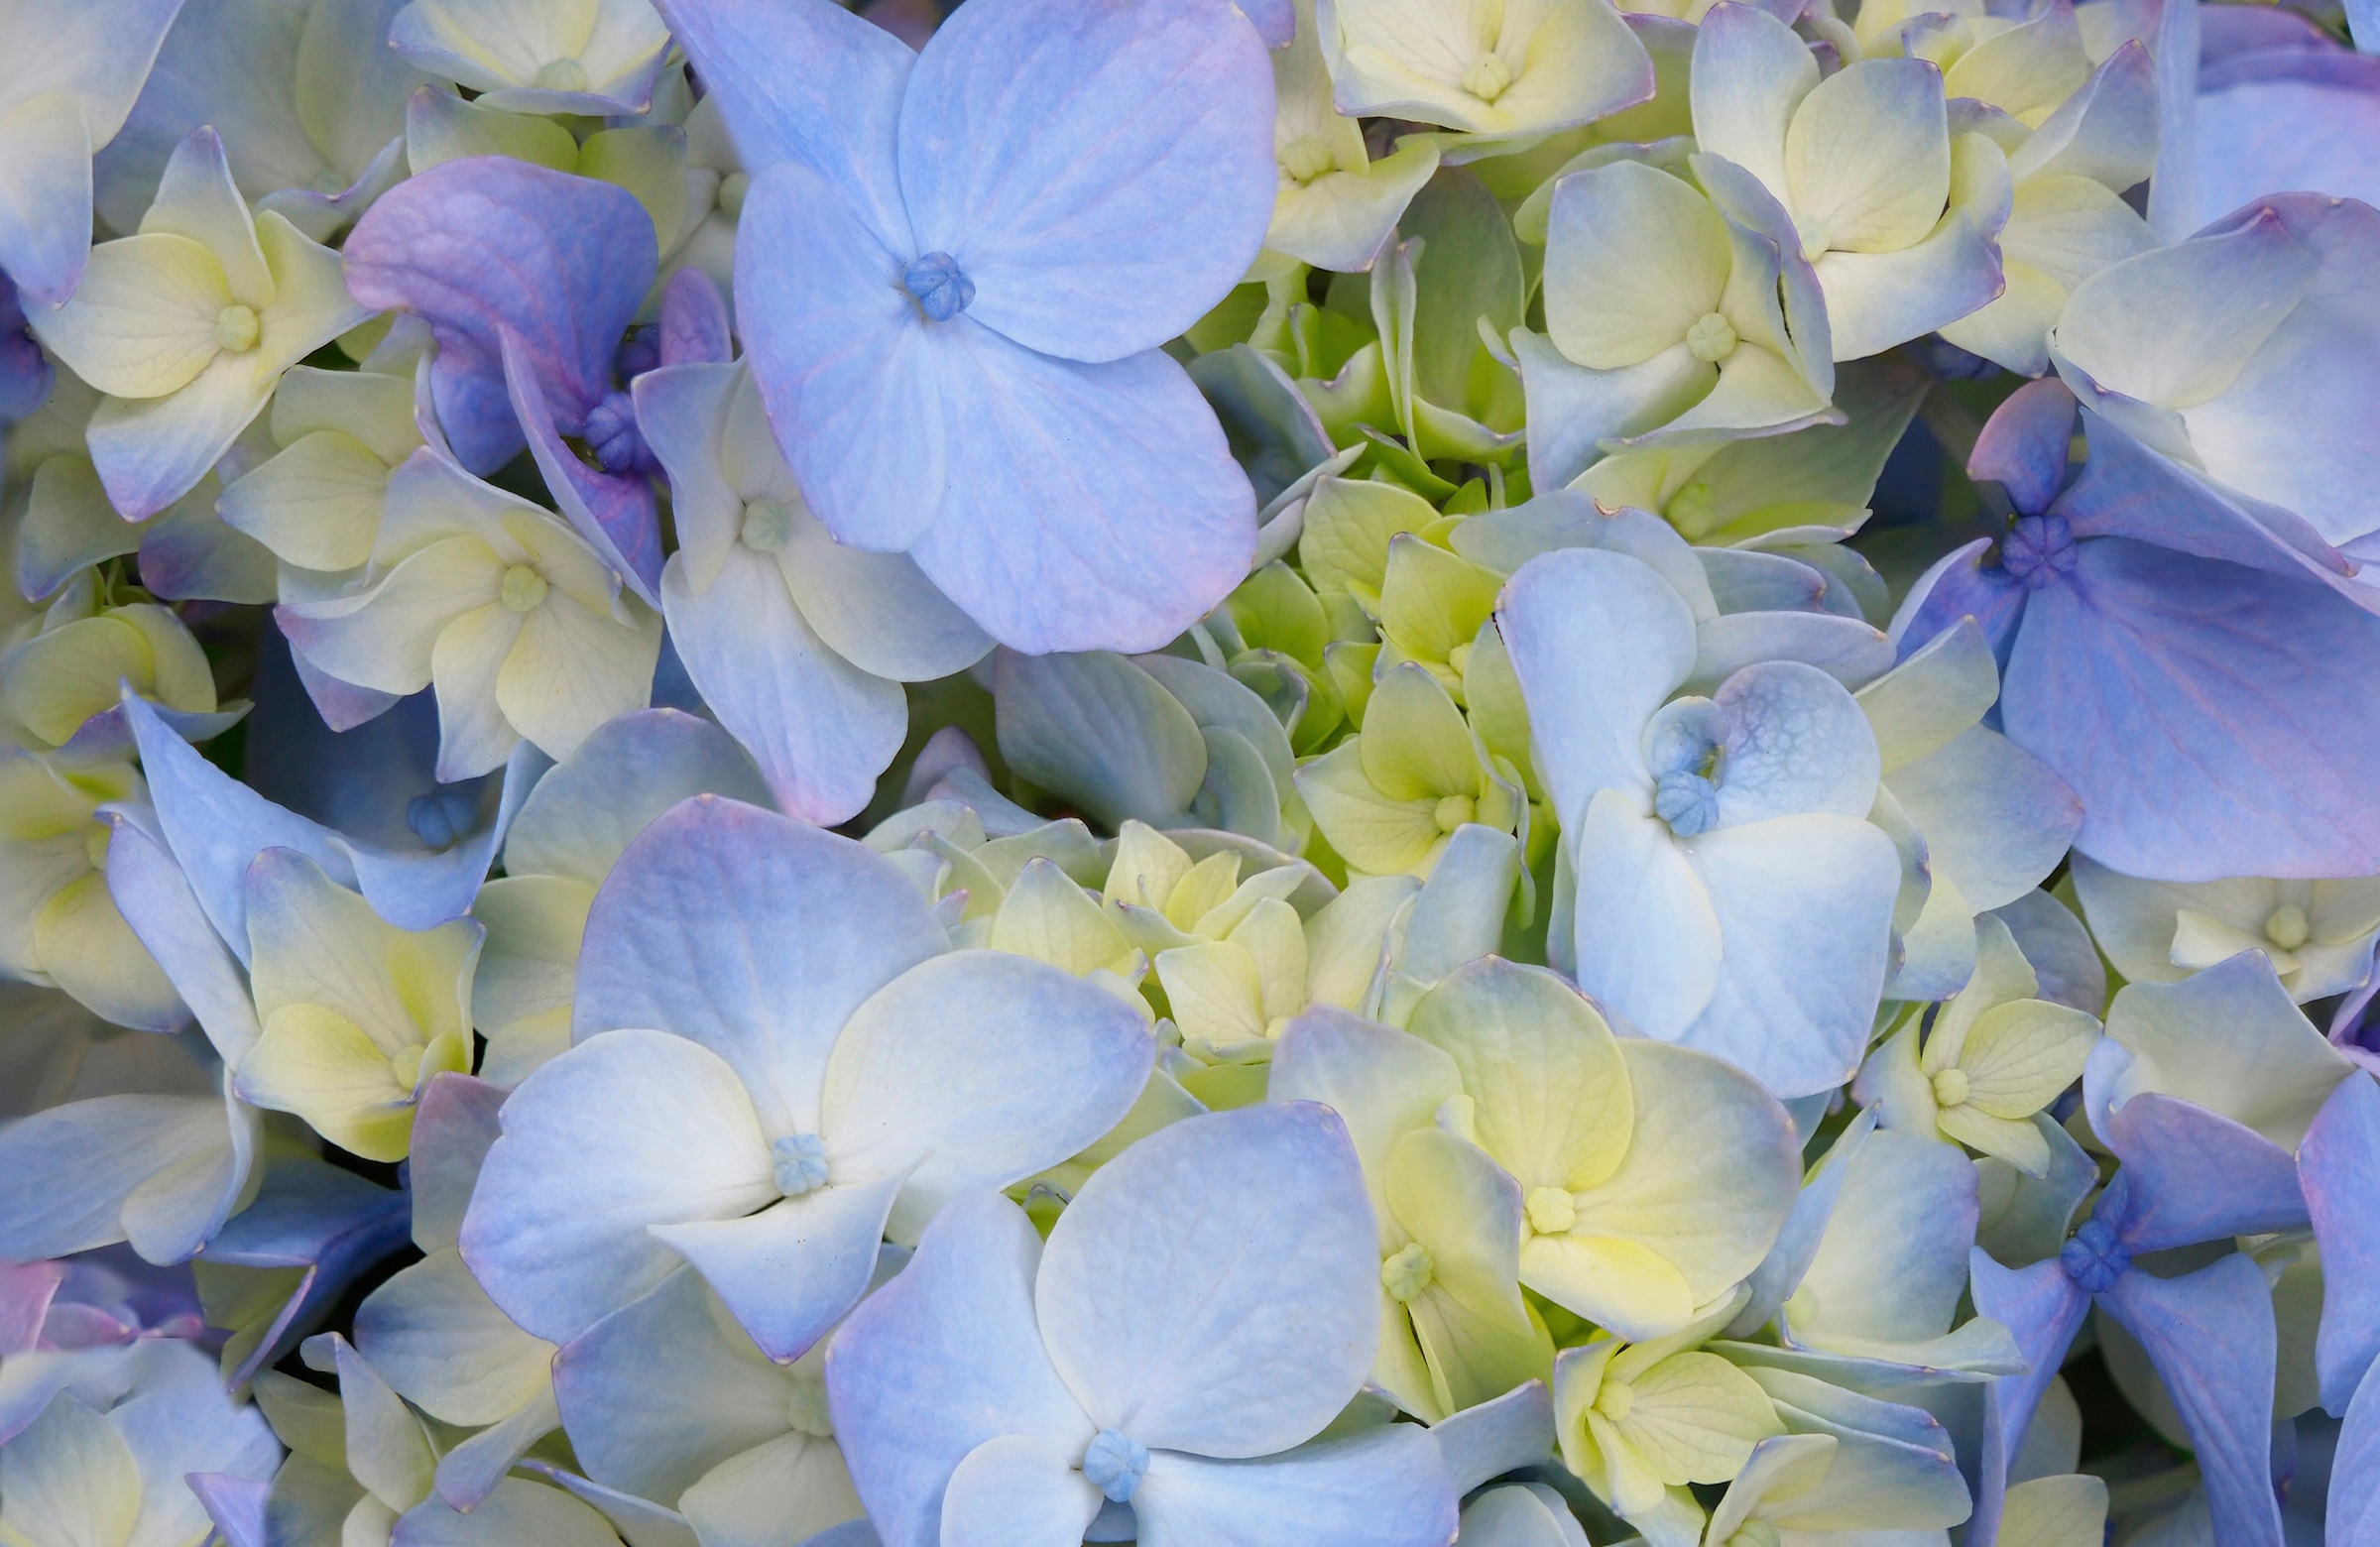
(1284, 773)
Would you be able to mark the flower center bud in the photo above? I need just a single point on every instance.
(1949, 1087)
(1754, 1533)
(2287, 928)
(2037, 550)
(942, 288)
(768, 525)
(524, 588)
(236, 329)
(1552, 1210)
(1687, 801)
(2094, 1260)
(1615, 1399)
(805, 1407)
(1812, 236)
(1488, 77)
(1711, 338)
(405, 1064)
(94, 844)
(562, 76)
(800, 1164)
(1115, 1464)
(1406, 1273)
(732, 190)
(1691, 510)
(1453, 811)
(441, 817)
(1306, 158)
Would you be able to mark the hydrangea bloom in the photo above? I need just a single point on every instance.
(945, 300)
(1367, 773)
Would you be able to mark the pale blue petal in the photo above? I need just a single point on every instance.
(1091, 507)
(820, 728)
(805, 82)
(791, 1271)
(1159, 1295)
(753, 934)
(1103, 176)
(1385, 1486)
(1017, 1491)
(627, 1129)
(942, 1358)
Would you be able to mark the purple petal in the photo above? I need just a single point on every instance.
(2024, 446)
(2210, 1334)
(2214, 720)
(454, 1124)
(1960, 585)
(2354, 1505)
(2126, 489)
(615, 512)
(2195, 1175)
(2339, 1165)
(488, 242)
(2303, 116)
(694, 320)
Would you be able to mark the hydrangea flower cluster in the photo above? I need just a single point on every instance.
(1219, 773)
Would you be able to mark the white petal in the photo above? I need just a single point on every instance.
(820, 728)
(1805, 910)
(1385, 1487)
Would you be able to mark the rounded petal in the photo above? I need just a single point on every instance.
(1103, 176)
(1804, 905)
(976, 1069)
(1796, 742)
(1089, 507)
(1017, 1491)
(1549, 1090)
(754, 936)
(1598, 640)
(1383, 1487)
(820, 728)
(1238, 1321)
(942, 1358)
(626, 1131)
